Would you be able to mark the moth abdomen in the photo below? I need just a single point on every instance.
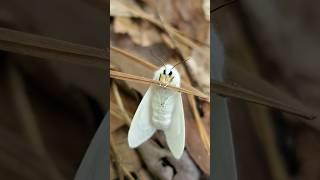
(162, 109)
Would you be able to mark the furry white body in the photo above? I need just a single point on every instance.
(163, 103)
(160, 109)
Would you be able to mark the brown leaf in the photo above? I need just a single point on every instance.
(142, 33)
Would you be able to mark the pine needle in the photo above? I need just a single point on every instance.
(143, 80)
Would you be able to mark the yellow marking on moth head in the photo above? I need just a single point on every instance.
(165, 79)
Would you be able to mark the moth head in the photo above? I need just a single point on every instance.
(167, 74)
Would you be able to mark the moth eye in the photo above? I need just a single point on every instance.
(170, 73)
(164, 71)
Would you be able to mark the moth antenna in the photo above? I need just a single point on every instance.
(180, 63)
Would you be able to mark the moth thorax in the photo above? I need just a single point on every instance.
(163, 103)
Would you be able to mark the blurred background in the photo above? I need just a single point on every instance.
(273, 43)
(49, 110)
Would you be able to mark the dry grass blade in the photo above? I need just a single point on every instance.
(142, 80)
(49, 48)
(136, 59)
(247, 95)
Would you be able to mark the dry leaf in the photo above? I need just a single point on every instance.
(124, 25)
(162, 164)
(125, 63)
(142, 33)
(187, 16)
(150, 34)
(199, 67)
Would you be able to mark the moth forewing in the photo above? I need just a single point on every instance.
(141, 129)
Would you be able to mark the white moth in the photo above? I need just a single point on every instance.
(160, 109)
